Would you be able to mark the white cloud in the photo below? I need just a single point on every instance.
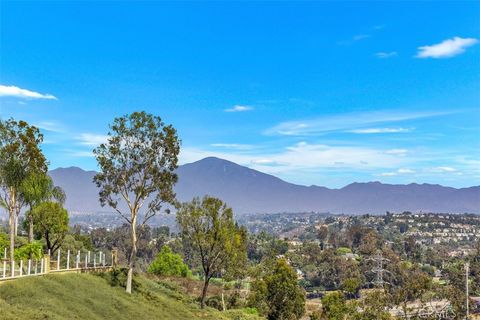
(263, 161)
(398, 152)
(235, 146)
(447, 48)
(444, 169)
(91, 139)
(50, 126)
(388, 174)
(304, 156)
(347, 122)
(239, 108)
(384, 55)
(12, 91)
(398, 172)
(380, 130)
(405, 170)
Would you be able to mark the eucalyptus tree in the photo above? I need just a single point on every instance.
(137, 171)
(37, 188)
(20, 153)
(208, 228)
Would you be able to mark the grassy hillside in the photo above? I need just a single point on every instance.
(85, 296)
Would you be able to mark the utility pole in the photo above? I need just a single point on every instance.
(467, 269)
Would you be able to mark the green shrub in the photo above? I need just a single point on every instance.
(4, 243)
(343, 250)
(233, 300)
(215, 302)
(31, 250)
(118, 278)
(168, 263)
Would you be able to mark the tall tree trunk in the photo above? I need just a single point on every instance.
(16, 224)
(11, 213)
(30, 227)
(204, 291)
(12, 233)
(133, 254)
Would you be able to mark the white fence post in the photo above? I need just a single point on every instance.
(77, 259)
(41, 266)
(103, 259)
(58, 259)
(4, 268)
(68, 259)
(86, 261)
(21, 267)
(94, 260)
(29, 266)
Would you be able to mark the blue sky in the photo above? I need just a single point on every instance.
(318, 93)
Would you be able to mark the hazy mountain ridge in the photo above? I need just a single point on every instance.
(250, 191)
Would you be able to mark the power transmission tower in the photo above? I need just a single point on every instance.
(378, 269)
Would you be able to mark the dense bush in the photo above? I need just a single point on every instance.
(118, 278)
(168, 263)
(4, 242)
(214, 302)
(31, 250)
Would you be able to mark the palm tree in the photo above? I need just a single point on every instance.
(38, 188)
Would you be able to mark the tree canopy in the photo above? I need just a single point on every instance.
(137, 168)
(51, 223)
(207, 226)
(20, 154)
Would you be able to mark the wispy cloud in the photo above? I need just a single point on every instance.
(305, 156)
(398, 172)
(355, 38)
(239, 108)
(380, 130)
(12, 91)
(388, 174)
(447, 48)
(347, 122)
(79, 153)
(92, 139)
(444, 169)
(398, 152)
(50, 126)
(384, 55)
(359, 37)
(264, 162)
(405, 170)
(235, 146)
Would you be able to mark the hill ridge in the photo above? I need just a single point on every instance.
(247, 190)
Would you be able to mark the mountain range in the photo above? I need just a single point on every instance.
(249, 191)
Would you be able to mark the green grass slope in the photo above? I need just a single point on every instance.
(85, 296)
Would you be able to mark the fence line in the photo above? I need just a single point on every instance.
(35, 267)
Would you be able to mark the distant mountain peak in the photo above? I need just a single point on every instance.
(250, 191)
